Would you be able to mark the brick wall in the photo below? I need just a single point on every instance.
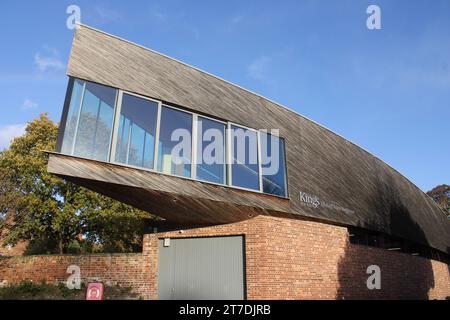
(111, 269)
(285, 259)
(294, 259)
(20, 247)
(16, 250)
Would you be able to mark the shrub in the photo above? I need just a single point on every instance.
(44, 291)
(74, 247)
(32, 291)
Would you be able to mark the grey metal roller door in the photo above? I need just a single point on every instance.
(201, 268)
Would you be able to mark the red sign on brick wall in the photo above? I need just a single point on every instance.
(94, 291)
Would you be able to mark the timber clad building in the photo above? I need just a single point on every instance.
(232, 229)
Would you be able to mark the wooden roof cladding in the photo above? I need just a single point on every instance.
(354, 187)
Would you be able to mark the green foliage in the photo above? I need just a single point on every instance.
(32, 291)
(74, 247)
(44, 291)
(441, 195)
(54, 215)
(41, 246)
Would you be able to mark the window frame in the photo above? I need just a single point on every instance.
(80, 106)
(192, 139)
(194, 145)
(230, 163)
(194, 164)
(116, 124)
(286, 176)
(65, 114)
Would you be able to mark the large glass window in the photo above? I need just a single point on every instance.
(273, 165)
(90, 123)
(241, 157)
(136, 131)
(175, 142)
(210, 164)
(244, 158)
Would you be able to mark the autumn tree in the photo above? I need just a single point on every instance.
(54, 212)
(441, 194)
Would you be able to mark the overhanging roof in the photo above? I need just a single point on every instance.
(176, 199)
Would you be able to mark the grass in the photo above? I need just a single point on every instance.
(45, 291)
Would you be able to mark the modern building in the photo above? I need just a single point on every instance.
(141, 127)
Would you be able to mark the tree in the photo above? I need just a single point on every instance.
(53, 212)
(441, 195)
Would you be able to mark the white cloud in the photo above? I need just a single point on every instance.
(258, 69)
(9, 132)
(234, 23)
(29, 104)
(53, 51)
(106, 14)
(45, 63)
(237, 19)
(159, 16)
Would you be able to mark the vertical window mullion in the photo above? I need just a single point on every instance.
(117, 110)
(194, 146)
(72, 151)
(229, 154)
(225, 155)
(260, 177)
(65, 114)
(156, 148)
(286, 192)
(111, 135)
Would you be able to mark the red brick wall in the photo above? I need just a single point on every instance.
(20, 247)
(294, 259)
(285, 259)
(17, 250)
(111, 269)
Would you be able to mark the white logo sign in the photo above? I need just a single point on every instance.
(310, 200)
(313, 201)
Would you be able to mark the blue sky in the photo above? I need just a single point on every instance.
(386, 90)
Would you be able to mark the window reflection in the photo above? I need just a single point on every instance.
(244, 158)
(210, 150)
(72, 117)
(90, 125)
(136, 132)
(273, 164)
(175, 142)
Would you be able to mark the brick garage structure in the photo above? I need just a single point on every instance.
(284, 259)
(295, 259)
